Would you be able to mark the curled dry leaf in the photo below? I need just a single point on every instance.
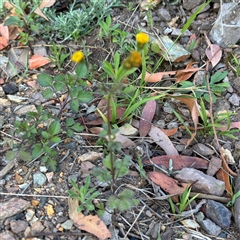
(44, 3)
(194, 109)
(179, 162)
(185, 74)
(167, 183)
(213, 52)
(147, 117)
(161, 139)
(37, 61)
(156, 77)
(90, 223)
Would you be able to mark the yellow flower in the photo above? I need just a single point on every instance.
(77, 57)
(133, 60)
(142, 38)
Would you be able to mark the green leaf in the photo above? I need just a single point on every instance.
(37, 150)
(107, 162)
(47, 93)
(74, 105)
(45, 134)
(107, 67)
(69, 122)
(103, 175)
(125, 204)
(54, 128)
(55, 139)
(77, 127)
(10, 155)
(85, 97)
(126, 193)
(218, 76)
(116, 60)
(59, 86)
(70, 132)
(81, 70)
(45, 80)
(113, 202)
(25, 156)
(51, 164)
(12, 20)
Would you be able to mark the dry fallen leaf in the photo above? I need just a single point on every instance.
(161, 139)
(37, 61)
(213, 52)
(44, 3)
(183, 75)
(90, 156)
(148, 113)
(179, 162)
(156, 77)
(167, 183)
(4, 31)
(90, 223)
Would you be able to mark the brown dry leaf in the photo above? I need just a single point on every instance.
(194, 109)
(167, 183)
(169, 132)
(179, 162)
(183, 75)
(90, 223)
(10, 6)
(37, 61)
(161, 139)
(156, 77)
(232, 125)
(90, 156)
(148, 113)
(18, 178)
(4, 31)
(223, 175)
(213, 52)
(3, 43)
(45, 3)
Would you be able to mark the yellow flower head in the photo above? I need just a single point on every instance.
(142, 38)
(77, 57)
(133, 60)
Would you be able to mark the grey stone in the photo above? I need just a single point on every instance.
(230, 88)
(128, 130)
(18, 226)
(189, 4)
(210, 227)
(176, 32)
(67, 225)
(39, 179)
(164, 14)
(203, 183)
(172, 125)
(218, 213)
(107, 217)
(226, 30)
(202, 149)
(199, 217)
(199, 77)
(237, 204)
(214, 165)
(7, 235)
(234, 99)
(74, 177)
(23, 109)
(236, 83)
(4, 102)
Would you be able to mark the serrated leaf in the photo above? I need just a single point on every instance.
(85, 97)
(126, 193)
(70, 122)
(107, 162)
(37, 150)
(47, 93)
(54, 128)
(10, 155)
(55, 139)
(70, 132)
(45, 134)
(59, 86)
(77, 127)
(45, 80)
(81, 70)
(25, 156)
(74, 105)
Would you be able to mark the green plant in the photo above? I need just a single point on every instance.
(216, 87)
(84, 194)
(218, 119)
(234, 197)
(184, 201)
(105, 28)
(235, 64)
(58, 56)
(78, 22)
(24, 20)
(72, 85)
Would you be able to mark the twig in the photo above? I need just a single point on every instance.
(31, 195)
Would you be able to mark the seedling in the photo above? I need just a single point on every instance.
(105, 28)
(234, 197)
(235, 65)
(84, 194)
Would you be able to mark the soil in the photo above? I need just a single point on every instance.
(152, 216)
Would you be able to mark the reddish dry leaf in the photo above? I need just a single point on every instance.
(3, 43)
(156, 77)
(179, 162)
(37, 61)
(213, 52)
(167, 183)
(147, 117)
(4, 31)
(183, 75)
(10, 6)
(224, 176)
(232, 125)
(90, 223)
(194, 109)
(161, 139)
